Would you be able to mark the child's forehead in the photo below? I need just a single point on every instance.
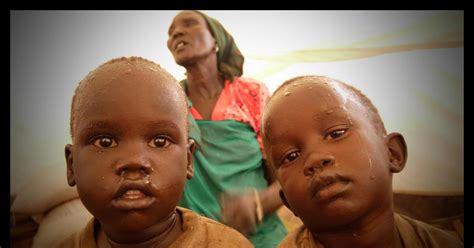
(313, 96)
(112, 72)
(314, 86)
(130, 83)
(320, 90)
(305, 92)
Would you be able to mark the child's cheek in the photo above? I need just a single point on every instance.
(295, 186)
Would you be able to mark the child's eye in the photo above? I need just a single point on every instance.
(105, 142)
(336, 134)
(160, 142)
(291, 157)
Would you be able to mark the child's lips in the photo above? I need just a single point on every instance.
(331, 191)
(325, 188)
(133, 195)
(124, 203)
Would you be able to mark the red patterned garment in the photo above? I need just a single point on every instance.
(242, 100)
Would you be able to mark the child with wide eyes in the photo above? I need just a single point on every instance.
(330, 151)
(130, 156)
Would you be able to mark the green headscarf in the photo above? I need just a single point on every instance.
(230, 60)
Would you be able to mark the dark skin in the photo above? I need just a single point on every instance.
(335, 168)
(130, 158)
(193, 47)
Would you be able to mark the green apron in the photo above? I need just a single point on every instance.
(227, 158)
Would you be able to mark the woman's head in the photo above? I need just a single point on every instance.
(194, 35)
(190, 38)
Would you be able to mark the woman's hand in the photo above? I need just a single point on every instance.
(239, 212)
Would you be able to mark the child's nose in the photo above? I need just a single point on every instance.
(135, 166)
(318, 162)
(133, 174)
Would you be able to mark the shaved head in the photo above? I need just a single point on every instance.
(344, 90)
(98, 81)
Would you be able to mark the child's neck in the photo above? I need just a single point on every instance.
(374, 230)
(167, 233)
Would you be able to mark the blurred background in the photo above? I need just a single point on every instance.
(409, 63)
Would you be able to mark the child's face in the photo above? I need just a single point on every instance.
(130, 156)
(330, 160)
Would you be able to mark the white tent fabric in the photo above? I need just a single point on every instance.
(414, 74)
(409, 63)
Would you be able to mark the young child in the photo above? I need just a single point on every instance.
(130, 157)
(334, 160)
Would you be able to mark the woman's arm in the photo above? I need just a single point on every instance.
(270, 198)
(241, 211)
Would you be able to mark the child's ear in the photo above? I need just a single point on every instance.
(283, 199)
(189, 167)
(397, 149)
(70, 171)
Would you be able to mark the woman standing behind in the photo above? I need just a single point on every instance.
(231, 183)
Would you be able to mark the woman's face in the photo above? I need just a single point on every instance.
(189, 38)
